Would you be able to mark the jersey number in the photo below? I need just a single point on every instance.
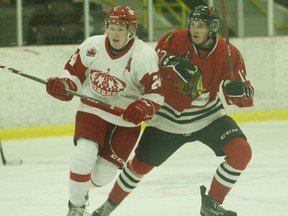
(156, 82)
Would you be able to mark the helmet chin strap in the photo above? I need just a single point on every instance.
(129, 37)
(208, 38)
(115, 51)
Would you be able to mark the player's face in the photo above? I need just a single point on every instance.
(199, 32)
(117, 35)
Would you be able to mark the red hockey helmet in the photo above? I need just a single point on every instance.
(122, 16)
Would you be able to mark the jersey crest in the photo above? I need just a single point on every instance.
(105, 84)
(194, 88)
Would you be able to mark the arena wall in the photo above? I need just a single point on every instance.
(27, 111)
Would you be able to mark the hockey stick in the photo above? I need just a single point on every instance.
(118, 109)
(227, 41)
(10, 162)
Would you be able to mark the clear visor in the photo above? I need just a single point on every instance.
(116, 27)
(197, 25)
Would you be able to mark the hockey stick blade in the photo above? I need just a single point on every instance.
(13, 162)
(8, 162)
(12, 70)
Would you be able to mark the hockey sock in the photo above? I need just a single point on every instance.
(128, 180)
(82, 159)
(238, 154)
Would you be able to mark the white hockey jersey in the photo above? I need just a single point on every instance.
(117, 80)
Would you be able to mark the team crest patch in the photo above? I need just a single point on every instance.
(170, 36)
(194, 88)
(105, 84)
(91, 52)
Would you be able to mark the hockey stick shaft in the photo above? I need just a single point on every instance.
(227, 41)
(12, 70)
(2, 154)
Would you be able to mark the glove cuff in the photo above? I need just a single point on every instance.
(69, 84)
(154, 107)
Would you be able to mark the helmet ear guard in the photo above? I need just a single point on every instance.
(205, 14)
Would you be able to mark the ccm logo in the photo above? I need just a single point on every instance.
(223, 136)
(118, 159)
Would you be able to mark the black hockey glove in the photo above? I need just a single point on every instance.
(237, 88)
(183, 67)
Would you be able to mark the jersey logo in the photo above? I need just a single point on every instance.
(117, 158)
(91, 52)
(105, 84)
(170, 36)
(194, 88)
(228, 133)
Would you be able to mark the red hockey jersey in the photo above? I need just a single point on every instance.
(182, 112)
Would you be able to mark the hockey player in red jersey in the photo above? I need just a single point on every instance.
(195, 67)
(118, 69)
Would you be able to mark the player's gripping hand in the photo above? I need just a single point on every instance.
(183, 67)
(57, 88)
(238, 93)
(237, 88)
(140, 110)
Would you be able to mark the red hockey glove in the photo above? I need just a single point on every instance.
(183, 67)
(57, 88)
(140, 110)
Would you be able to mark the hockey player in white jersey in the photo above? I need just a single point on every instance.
(118, 69)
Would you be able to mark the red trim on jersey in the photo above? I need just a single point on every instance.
(106, 109)
(76, 67)
(130, 44)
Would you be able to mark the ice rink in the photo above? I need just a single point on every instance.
(40, 185)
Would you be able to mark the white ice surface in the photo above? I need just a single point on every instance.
(40, 185)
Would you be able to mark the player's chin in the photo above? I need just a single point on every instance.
(116, 45)
(196, 40)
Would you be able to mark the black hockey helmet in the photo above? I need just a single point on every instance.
(205, 14)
